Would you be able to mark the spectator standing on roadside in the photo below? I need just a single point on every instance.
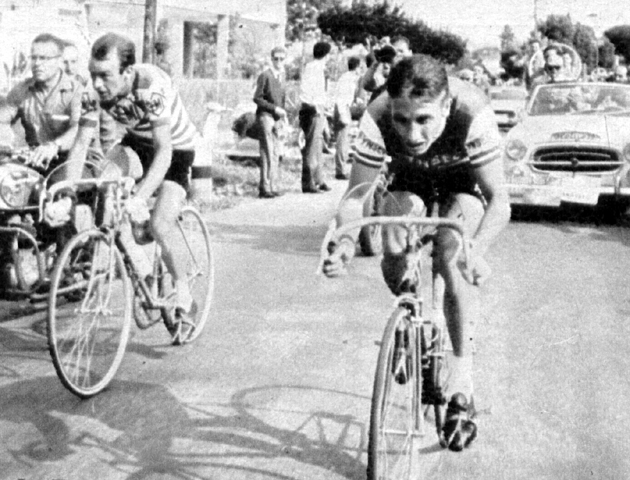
(313, 119)
(480, 79)
(346, 92)
(71, 62)
(48, 105)
(270, 97)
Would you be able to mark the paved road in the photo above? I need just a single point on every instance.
(279, 384)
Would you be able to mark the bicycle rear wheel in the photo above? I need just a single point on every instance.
(199, 271)
(89, 313)
(396, 421)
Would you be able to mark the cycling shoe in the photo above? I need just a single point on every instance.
(459, 431)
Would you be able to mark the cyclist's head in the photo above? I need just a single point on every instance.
(111, 66)
(46, 51)
(320, 50)
(420, 101)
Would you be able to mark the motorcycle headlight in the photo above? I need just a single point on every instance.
(515, 150)
(15, 189)
(626, 152)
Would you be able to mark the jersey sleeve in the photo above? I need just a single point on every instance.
(483, 143)
(156, 100)
(369, 147)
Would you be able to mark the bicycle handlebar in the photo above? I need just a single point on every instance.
(334, 233)
(125, 182)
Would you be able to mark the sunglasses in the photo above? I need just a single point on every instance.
(278, 59)
(553, 68)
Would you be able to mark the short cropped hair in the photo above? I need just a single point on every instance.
(123, 46)
(425, 75)
(353, 63)
(320, 50)
(278, 50)
(50, 38)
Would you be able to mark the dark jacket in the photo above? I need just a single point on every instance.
(270, 93)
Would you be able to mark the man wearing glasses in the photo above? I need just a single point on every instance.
(48, 104)
(554, 70)
(270, 98)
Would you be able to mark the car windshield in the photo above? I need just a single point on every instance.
(509, 94)
(566, 99)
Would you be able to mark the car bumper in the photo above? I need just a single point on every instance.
(554, 189)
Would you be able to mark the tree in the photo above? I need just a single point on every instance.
(558, 28)
(585, 45)
(508, 39)
(606, 53)
(302, 16)
(382, 19)
(619, 36)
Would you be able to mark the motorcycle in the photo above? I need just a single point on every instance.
(28, 246)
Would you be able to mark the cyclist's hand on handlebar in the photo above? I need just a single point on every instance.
(43, 154)
(57, 213)
(137, 209)
(477, 271)
(340, 253)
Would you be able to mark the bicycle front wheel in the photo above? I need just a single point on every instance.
(396, 421)
(89, 313)
(199, 270)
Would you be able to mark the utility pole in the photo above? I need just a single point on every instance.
(150, 20)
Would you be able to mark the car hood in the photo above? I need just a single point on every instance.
(605, 129)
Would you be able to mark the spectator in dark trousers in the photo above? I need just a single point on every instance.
(347, 86)
(313, 119)
(270, 98)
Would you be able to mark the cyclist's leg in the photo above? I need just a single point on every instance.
(394, 263)
(169, 203)
(462, 311)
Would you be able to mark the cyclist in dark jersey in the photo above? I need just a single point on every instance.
(444, 143)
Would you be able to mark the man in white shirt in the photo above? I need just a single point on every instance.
(313, 119)
(345, 95)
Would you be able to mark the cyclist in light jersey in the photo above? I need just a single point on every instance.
(141, 98)
(444, 142)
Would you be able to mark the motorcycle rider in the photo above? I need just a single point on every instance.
(48, 104)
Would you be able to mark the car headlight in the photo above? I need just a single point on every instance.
(515, 150)
(626, 152)
(15, 189)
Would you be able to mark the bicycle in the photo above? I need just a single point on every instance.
(94, 284)
(409, 377)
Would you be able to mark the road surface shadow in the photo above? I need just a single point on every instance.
(144, 429)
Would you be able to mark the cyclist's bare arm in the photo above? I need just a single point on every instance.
(161, 162)
(79, 150)
(497, 215)
(352, 209)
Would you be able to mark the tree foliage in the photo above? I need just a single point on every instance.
(302, 16)
(558, 28)
(606, 54)
(508, 39)
(619, 36)
(363, 23)
(585, 44)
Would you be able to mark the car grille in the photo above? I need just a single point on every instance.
(576, 159)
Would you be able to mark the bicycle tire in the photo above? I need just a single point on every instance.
(86, 343)
(370, 236)
(391, 447)
(199, 269)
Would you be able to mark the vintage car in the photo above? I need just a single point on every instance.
(572, 145)
(507, 103)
